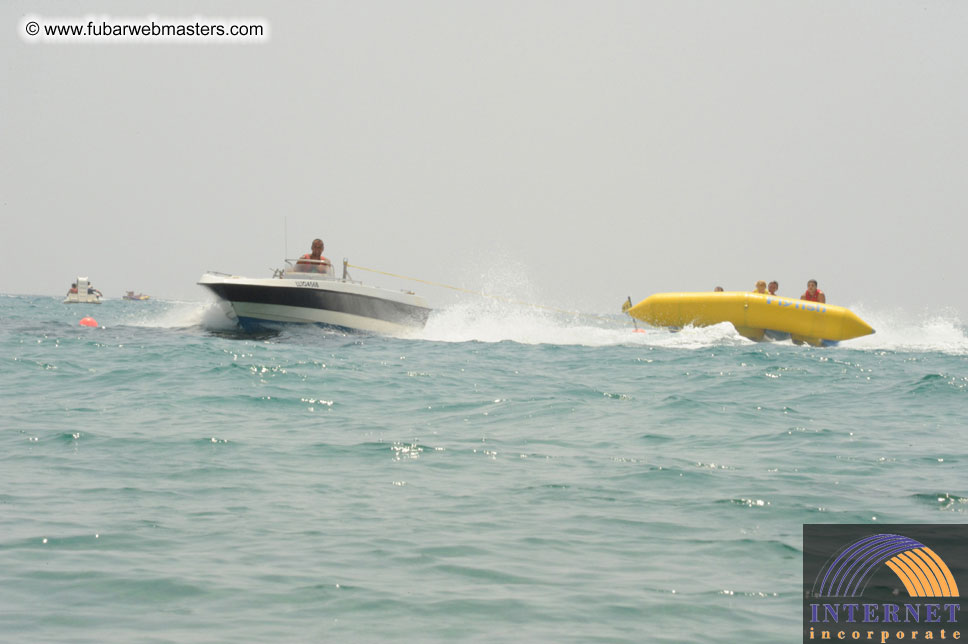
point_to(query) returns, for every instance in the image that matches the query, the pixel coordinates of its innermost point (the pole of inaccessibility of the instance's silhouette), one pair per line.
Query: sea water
(504, 475)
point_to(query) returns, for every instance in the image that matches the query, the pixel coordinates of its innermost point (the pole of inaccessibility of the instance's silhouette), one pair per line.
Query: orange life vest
(321, 267)
(812, 298)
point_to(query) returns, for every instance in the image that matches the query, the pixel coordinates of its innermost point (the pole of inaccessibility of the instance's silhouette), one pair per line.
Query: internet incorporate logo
(883, 587)
(922, 572)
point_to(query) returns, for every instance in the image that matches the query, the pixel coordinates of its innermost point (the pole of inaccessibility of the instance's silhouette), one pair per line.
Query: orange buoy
(88, 322)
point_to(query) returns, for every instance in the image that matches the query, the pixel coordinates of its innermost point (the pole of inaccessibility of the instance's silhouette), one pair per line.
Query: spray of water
(490, 321)
(210, 315)
(898, 330)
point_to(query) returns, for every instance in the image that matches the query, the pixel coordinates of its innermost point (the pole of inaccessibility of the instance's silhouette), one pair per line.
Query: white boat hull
(77, 298)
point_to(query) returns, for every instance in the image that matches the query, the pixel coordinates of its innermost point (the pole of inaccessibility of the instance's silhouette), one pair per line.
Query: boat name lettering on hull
(307, 283)
(797, 304)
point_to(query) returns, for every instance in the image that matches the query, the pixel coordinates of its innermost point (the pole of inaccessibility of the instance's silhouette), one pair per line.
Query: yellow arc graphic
(923, 573)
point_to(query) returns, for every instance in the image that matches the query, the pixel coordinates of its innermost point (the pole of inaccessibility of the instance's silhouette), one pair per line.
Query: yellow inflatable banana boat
(755, 316)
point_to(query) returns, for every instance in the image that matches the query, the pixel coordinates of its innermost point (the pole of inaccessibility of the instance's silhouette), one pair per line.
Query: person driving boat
(316, 262)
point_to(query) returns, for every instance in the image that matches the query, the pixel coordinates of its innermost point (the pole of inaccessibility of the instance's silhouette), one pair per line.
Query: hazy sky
(571, 152)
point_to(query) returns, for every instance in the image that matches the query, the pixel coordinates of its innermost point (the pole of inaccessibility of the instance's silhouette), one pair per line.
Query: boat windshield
(301, 268)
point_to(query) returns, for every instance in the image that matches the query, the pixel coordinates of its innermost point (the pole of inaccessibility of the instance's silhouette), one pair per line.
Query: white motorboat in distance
(82, 292)
(307, 292)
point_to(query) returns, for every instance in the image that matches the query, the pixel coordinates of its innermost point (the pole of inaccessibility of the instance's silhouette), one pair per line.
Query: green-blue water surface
(493, 479)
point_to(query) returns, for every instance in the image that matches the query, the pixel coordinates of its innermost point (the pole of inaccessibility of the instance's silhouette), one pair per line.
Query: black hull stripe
(352, 303)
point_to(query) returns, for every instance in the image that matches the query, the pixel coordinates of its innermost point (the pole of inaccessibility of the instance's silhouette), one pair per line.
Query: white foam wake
(490, 321)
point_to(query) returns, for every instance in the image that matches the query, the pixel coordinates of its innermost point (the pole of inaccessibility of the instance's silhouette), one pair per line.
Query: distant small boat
(754, 316)
(131, 295)
(81, 292)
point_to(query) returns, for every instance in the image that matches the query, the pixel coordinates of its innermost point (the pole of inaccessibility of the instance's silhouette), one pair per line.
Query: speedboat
(81, 292)
(755, 316)
(307, 291)
(131, 295)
